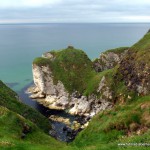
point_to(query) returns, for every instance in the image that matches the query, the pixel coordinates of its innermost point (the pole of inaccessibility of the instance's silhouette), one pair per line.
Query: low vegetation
(10, 100)
(117, 50)
(18, 133)
(125, 123)
(40, 61)
(22, 127)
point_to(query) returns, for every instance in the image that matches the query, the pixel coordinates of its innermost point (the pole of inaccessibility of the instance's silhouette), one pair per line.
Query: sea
(20, 44)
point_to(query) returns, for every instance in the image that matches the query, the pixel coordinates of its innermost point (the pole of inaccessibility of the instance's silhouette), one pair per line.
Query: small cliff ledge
(109, 59)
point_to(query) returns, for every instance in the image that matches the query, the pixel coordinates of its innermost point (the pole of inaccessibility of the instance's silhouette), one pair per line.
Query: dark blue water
(21, 43)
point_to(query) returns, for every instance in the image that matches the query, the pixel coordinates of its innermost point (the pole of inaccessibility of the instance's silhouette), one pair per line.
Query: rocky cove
(64, 127)
(75, 88)
(56, 96)
(70, 112)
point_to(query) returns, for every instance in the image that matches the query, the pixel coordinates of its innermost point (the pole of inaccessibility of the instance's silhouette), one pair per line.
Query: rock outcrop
(134, 68)
(55, 95)
(109, 59)
(136, 72)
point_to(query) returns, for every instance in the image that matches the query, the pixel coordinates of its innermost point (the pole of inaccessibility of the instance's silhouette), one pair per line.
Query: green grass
(40, 61)
(109, 128)
(118, 50)
(8, 99)
(95, 80)
(11, 127)
(142, 49)
(14, 115)
(105, 131)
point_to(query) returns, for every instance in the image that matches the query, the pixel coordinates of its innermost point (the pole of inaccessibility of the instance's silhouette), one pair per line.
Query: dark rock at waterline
(26, 129)
(69, 133)
(82, 119)
(64, 128)
(59, 130)
(53, 133)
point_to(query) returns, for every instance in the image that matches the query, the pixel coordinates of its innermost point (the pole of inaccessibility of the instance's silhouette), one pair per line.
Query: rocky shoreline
(68, 129)
(63, 128)
(56, 97)
(82, 106)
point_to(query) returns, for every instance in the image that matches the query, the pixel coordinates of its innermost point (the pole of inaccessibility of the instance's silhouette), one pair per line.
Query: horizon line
(11, 23)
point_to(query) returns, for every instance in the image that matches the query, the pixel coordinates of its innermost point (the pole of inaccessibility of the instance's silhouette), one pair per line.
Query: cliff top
(71, 66)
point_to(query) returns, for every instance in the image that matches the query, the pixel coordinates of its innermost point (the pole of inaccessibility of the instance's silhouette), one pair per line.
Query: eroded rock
(108, 60)
(55, 96)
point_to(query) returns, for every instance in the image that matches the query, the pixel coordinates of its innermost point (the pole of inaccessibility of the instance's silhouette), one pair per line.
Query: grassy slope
(117, 50)
(141, 51)
(105, 131)
(109, 128)
(93, 83)
(11, 126)
(14, 115)
(8, 99)
(135, 67)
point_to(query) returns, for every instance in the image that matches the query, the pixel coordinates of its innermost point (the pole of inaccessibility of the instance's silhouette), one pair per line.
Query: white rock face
(81, 106)
(104, 90)
(56, 97)
(38, 78)
(43, 81)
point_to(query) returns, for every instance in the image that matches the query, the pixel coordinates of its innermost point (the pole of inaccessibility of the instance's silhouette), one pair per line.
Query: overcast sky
(45, 11)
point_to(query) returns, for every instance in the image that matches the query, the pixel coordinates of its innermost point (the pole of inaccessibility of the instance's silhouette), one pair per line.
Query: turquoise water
(21, 43)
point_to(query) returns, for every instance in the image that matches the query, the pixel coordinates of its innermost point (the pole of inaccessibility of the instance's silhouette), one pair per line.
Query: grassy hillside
(117, 50)
(8, 99)
(128, 122)
(21, 127)
(18, 133)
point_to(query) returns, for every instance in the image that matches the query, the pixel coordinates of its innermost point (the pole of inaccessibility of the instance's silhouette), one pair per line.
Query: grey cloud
(79, 11)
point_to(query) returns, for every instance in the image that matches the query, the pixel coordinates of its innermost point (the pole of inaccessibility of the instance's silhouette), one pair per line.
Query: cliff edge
(68, 80)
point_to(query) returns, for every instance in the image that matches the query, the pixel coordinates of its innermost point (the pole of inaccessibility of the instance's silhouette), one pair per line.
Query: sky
(74, 11)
